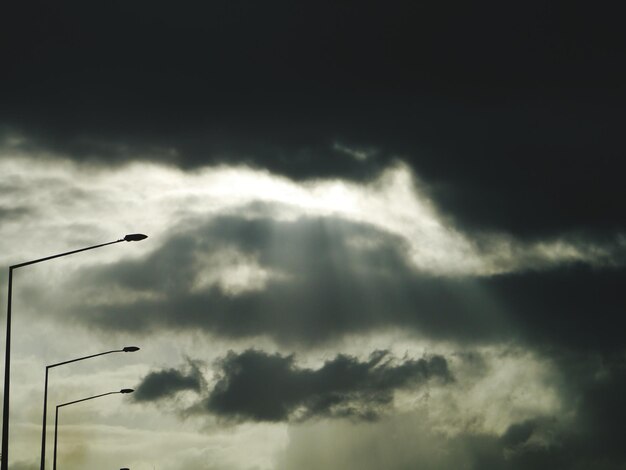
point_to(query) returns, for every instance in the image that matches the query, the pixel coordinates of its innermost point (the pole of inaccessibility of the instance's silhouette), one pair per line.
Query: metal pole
(45, 412)
(56, 429)
(7, 376)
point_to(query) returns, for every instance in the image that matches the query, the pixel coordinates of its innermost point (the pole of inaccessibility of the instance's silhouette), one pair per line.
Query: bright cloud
(52, 195)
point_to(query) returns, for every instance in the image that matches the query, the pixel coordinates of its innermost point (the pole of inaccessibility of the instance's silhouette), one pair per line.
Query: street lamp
(4, 452)
(56, 416)
(45, 393)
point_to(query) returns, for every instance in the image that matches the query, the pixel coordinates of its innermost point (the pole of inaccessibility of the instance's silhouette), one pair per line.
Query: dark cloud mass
(165, 383)
(254, 385)
(327, 286)
(514, 112)
(518, 433)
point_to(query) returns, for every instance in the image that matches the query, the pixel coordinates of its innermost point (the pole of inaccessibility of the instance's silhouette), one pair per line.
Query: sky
(380, 235)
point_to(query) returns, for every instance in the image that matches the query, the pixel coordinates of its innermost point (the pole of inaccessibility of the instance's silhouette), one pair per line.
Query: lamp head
(130, 349)
(135, 237)
(126, 390)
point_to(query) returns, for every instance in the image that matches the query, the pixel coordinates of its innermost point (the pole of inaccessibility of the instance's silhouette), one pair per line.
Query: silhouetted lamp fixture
(4, 450)
(135, 237)
(56, 417)
(45, 393)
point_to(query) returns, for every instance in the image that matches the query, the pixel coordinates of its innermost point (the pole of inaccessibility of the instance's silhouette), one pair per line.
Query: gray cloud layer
(254, 385)
(168, 382)
(313, 280)
(262, 387)
(330, 277)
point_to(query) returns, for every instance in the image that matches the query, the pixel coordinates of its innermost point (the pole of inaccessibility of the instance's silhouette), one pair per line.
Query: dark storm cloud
(165, 383)
(333, 278)
(513, 111)
(518, 433)
(258, 386)
(598, 384)
(575, 306)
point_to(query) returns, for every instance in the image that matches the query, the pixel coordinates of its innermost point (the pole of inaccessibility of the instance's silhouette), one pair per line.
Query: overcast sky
(381, 235)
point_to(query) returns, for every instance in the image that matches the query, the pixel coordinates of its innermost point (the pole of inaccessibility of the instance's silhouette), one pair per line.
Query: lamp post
(45, 393)
(4, 452)
(56, 416)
